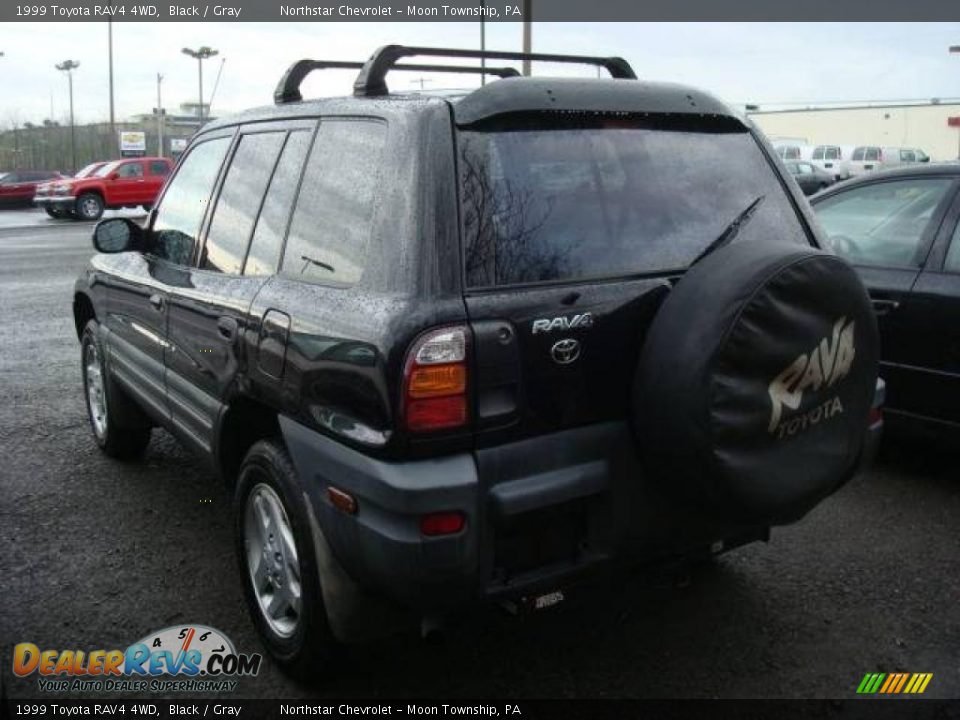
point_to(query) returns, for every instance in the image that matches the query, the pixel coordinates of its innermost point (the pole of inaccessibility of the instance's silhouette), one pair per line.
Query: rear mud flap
(355, 615)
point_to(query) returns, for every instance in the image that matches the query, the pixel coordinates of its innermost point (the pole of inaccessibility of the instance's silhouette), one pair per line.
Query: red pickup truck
(118, 184)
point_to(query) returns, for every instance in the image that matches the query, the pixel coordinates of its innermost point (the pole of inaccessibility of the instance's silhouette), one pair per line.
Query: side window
(11, 178)
(177, 223)
(130, 170)
(239, 201)
(159, 168)
(264, 254)
(883, 223)
(907, 156)
(333, 219)
(952, 263)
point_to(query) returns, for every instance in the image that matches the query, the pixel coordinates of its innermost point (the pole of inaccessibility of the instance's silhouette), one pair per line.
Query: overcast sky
(740, 62)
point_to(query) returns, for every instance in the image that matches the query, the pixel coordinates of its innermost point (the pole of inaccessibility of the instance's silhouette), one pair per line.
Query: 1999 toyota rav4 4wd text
(460, 348)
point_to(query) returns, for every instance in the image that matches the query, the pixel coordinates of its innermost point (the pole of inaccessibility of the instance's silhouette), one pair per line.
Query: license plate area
(543, 537)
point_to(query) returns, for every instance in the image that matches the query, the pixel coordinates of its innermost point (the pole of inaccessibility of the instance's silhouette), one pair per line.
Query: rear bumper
(540, 513)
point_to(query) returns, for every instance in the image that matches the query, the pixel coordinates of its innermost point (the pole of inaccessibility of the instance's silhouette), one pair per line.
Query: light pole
(200, 54)
(527, 33)
(159, 118)
(956, 49)
(113, 126)
(483, 43)
(68, 66)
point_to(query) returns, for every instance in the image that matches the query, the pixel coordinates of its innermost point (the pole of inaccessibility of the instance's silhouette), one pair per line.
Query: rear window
(608, 198)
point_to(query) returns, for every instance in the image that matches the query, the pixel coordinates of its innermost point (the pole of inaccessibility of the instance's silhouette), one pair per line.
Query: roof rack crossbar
(372, 78)
(288, 89)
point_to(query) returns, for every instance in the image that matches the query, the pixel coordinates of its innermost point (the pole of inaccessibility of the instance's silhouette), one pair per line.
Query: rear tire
(119, 426)
(278, 564)
(89, 206)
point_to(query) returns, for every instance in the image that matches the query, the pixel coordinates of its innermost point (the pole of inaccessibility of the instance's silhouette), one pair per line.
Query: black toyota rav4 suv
(476, 346)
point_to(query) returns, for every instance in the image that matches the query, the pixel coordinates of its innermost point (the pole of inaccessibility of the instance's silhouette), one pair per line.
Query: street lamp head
(67, 65)
(201, 53)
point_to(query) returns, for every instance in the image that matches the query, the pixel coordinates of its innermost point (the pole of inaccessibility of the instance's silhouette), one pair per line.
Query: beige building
(916, 125)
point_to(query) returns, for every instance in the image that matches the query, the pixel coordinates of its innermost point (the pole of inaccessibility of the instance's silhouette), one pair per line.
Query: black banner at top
(475, 10)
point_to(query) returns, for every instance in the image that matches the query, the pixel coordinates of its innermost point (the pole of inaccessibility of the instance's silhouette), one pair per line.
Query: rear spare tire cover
(755, 381)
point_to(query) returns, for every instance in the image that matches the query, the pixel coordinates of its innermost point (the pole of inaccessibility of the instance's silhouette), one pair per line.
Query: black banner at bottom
(872, 709)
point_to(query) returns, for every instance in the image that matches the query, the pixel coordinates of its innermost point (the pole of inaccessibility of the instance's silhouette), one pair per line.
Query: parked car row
(846, 161)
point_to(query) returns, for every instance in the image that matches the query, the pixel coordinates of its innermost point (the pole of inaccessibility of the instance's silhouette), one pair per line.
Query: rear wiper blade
(731, 230)
(318, 263)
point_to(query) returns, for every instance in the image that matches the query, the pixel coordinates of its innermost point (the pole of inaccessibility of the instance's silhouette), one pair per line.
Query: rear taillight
(435, 381)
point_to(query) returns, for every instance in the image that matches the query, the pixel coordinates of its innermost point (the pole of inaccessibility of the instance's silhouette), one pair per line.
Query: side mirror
(117, 235)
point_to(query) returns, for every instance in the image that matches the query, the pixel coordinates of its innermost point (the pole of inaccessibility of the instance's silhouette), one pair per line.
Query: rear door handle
(882, 306)
(228, 329)
(157, 301)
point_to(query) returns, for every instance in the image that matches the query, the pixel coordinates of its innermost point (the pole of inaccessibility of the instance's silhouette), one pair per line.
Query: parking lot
(98, 553)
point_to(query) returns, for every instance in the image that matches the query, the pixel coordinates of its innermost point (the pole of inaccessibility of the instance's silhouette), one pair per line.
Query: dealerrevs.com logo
(828, 362)
(182, 658)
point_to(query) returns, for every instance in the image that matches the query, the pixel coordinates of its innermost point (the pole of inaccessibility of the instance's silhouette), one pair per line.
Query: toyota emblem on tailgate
(565, 351)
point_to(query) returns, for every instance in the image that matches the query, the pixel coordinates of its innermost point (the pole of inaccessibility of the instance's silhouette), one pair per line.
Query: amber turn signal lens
(342, 500)
(437, 380)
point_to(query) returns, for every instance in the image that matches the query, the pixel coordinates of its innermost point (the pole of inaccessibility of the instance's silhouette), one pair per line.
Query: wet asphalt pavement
(97, 553)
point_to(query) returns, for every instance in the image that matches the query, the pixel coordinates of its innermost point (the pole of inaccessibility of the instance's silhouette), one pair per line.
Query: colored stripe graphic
(870, 683)
(894, 683)
(918, 683)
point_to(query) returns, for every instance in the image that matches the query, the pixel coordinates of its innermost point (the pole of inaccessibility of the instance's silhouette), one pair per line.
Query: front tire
(120, 428)
(53, 211)
(89, 206)
(278, 565)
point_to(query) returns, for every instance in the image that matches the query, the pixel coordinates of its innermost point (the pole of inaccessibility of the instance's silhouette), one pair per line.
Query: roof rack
(372, 78)
(288, 89)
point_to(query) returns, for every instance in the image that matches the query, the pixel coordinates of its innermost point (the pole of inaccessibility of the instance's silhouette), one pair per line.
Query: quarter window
(178, 218)
(264, 253)
(883, 223)
(239, 202)
(333, 219)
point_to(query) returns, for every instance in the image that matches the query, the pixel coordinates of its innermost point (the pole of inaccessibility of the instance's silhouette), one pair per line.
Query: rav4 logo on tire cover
(829, 361)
